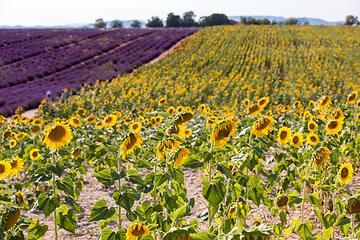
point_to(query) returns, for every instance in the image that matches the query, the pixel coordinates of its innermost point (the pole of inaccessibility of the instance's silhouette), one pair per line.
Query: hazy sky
(61, 12)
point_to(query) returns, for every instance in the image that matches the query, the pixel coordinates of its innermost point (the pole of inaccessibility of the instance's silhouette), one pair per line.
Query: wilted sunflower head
(77, 153)
(183, 118)
(334, 126)
(180, 155)
(222, 132)
(284, 135)
(324, 102)
(345, 173)
(254, 109)
(130, 143)
(136, 230)
(312, 138)
(352, 97)
(263, 102)
(321, 158)
(7, 134)
(263, 126)
(282, 200)
(35, 130)
(58, 136)
(10, 218)
(352, 204)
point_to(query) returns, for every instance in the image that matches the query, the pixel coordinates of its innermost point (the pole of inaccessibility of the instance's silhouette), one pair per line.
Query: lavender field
(35, 61)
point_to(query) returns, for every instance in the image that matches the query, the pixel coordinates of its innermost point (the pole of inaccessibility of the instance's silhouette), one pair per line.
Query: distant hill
(127, 23)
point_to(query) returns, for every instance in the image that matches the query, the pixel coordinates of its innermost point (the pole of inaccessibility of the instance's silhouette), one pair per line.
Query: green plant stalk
(209, 206)
(54, 193)
(304, 194)
(119, 186)
(353, 226)
(154, 194)
(334, 197)
(224, 203)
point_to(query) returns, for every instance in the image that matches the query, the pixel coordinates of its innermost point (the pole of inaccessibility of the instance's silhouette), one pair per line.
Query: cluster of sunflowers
(274, 143)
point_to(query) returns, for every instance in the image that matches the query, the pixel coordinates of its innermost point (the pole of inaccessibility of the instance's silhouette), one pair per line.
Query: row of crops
(267, 115)
(88, 56)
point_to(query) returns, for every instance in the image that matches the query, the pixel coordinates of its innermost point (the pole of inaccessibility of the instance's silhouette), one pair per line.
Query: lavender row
(106, 66)
(62, 58)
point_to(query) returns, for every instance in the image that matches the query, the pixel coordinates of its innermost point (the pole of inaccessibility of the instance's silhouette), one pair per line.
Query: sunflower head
(75, 122)
(162, 101)
(7, 134)
(321, 158)
(212, 121)
(34, 154)
(232, 211)
(352, 97)
(109, 121)
(334, 126)
(246, 102)
(180, 155)
(312, 138)
(136, 230)
(297, 104)
(5, 169)
(282, 200)
(171, 110)
(16, 165)
(130, 143)
(297, 140)
(352, 204)
(90, 119)
(58, 136)
(20, 136)
(222, 132)
(338, 115)
(188, 133)
(35, 130)
(178, 130)
(10, 218)
(157, 120)
(324, 102)
(263, 126)
(254, 109)
(284, 135)
(312, 126)
(77, 153)
(233, 169)
(345, 173)
(183, 117)
(81, 112)
(135, 127)
(170, 144)
(263, 102)
(20, 198)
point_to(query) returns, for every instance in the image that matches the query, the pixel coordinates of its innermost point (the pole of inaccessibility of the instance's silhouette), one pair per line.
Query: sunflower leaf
(100, 211)
(193, 162)
(36, 231)
(160, 178)
(48, 205)
(66, 218)
(342, 220)
(304, 230)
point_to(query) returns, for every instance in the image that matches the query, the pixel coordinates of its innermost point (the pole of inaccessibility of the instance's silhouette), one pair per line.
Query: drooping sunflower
(170, 144)
(136, 230)
(338, 115)
(284, 135)
(254, 109)
(20, 198)
(345, 173)
(135, 127)
(5, 169)
(109, 121)
(34, 154)
(90, 119)
(10, 218)
(130, 143)
(180, 155)
(183, 118)
(232, 211)
(212, 120)
(352, 204)
(263, 102)
(75, 122)
(263, 126)
(312, 126)
(324, 102)
(188, 133)
(352, 97)
(77, 153)
(35, 130)
(333, 127)
(321, 158)
(233, 169)
(312, 138)
(178, 130)
(297, 140)
(247, 102)
(222, 132)
(7, 134)
(282, 200)
(58, 136)
(16, 165)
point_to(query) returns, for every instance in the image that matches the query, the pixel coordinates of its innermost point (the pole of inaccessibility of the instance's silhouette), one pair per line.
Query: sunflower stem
(353, 226)
(224, 203)
(119, 186)
(334, 197)
(209, 206)
(54, 193)
(304, 194)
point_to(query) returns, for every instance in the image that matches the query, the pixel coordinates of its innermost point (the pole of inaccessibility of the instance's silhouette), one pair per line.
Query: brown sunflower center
(135, 126)
(283, 134)
(12, 143)
(355, 207)
(351, 97)
(2, 168)
(262, 102)
(138, 232)
(81, 112)
(14, 163)
(76, 121)
(108, 119)
(264, 123)
(35, 154)
(57, 134)
(313, 138)
(35, 129)
(324, 101)
(7, 134)
(223, 133)
(132, 141)
(233, 210)
(332, 124)
(171, 111)
(295, 140)
(344, 172)
(253, 108)
(282, 201)
(90, 119)
(312, 126)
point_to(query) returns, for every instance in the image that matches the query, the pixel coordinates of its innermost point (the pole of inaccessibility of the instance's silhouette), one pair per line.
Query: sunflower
(117, 114)
(38, 122)
(20, 136)
(312, 138)
(232, 211)
(16, 165)
(352, 97)
(312, 126)
(297, 104)
(135, 127)
(171, 110)
(247, 102)
(180, 155)
(188, 133)
(333, 127)
(98, 125)
(81, 112)
(58, 136)
(233, 169)
(345, 173)
(263, 126)
(136, 230)
(321, 158)
(282, 200)
(7, 134)
(34, 154)
(222, 131)
(77, 153)
(158, 119)
(183, 118)
(162, 101)
(358, 117)
(109, 121)
(263, 102)
(130, 143)
(91, 119)
(338, 115)
(284, 135)
(35, 130)
(20, 198)
(178, 130)
(75, 122)
(170, 144)
(352, 204)
(324, 102)
(5, 169)
(180, 109)
(297, 140)
(12, 143)
(254, 109)
(10, 218)
(212, 121)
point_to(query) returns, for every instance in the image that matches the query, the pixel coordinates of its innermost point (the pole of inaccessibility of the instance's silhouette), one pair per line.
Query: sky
(51, 13)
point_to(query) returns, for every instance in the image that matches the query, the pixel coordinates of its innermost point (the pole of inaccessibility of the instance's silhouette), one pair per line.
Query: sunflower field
(266, 117)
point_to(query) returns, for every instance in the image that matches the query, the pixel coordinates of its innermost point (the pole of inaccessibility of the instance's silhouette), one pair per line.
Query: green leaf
(193, 161)
(329, 219)
(72, 203)
(36, 231)
(134, 177)
(345, 229)
(100, 211)
(278, 229)
(283, 216)
(327, 232)
(342, 220)
(58, 169)
(66, 218)
(182, 211)
(214, 193)
(203, 236)
(126, 199)
(304, 230)
(160, 178)
(256, 194)
(294, 199)
(104, 176)
(223, 167)
(165, 114)
(254, 180)
(108, 234)
(40, 175)
(297, 186)
(314, 199)
(48, 205)
(66, 185)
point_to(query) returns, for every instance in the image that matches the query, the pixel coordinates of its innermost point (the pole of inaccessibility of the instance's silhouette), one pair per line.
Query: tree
(173, 20)
(189, 19)
(214, 20)
(291, 21)
(136, 24)
(155, 22)
(99, 23)
(116, 24)
(351, 20)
